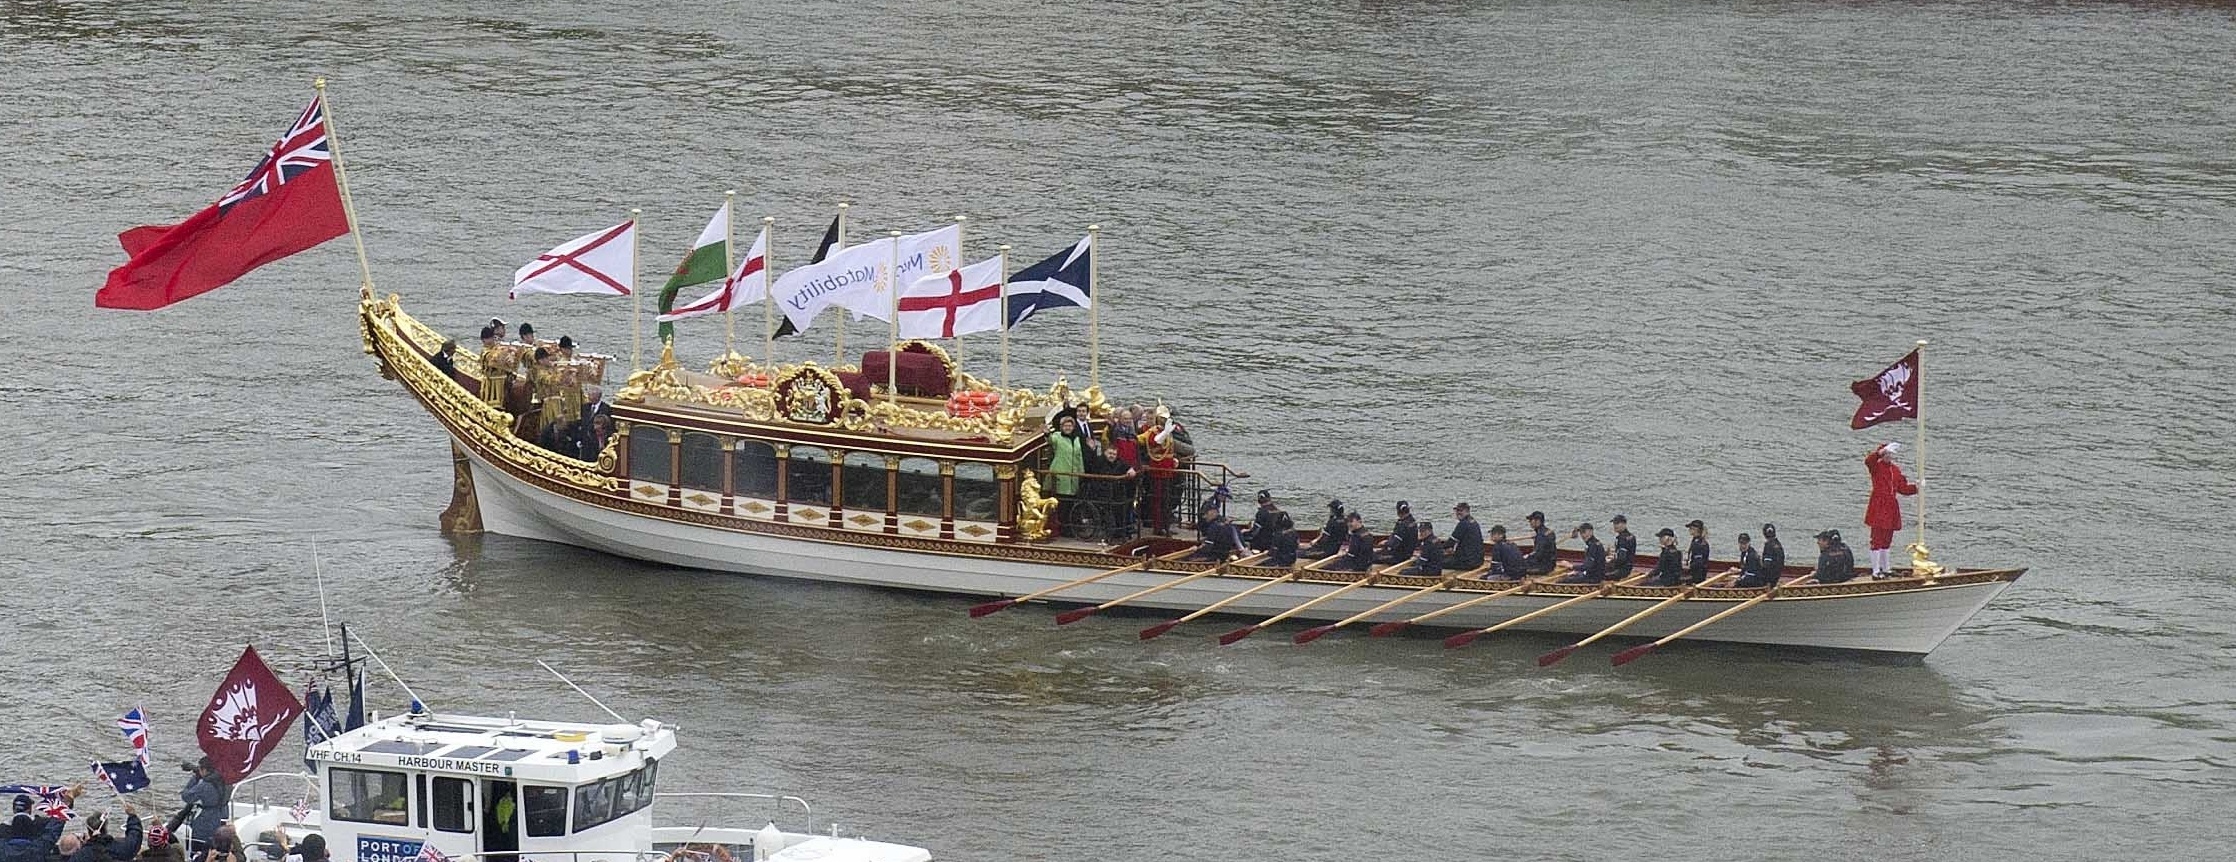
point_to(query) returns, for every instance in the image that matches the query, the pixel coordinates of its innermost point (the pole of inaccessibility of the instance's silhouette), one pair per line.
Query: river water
(1577, 257)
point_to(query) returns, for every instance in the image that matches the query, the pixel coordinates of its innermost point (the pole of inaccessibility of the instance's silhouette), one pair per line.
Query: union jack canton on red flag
(302, 148)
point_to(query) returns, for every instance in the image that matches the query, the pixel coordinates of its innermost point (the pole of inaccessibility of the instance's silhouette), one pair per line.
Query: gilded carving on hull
(464, 513)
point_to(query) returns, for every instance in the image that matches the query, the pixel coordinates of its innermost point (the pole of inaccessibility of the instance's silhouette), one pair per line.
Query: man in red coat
(1884, 514)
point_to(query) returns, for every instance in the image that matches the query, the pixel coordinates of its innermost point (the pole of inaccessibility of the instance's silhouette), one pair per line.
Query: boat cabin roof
(552, 751)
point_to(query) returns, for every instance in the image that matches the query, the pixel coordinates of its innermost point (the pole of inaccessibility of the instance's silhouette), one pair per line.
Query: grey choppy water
(1569, 256)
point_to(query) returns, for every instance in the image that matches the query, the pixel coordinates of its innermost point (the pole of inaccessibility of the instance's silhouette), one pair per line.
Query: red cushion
(920, 374)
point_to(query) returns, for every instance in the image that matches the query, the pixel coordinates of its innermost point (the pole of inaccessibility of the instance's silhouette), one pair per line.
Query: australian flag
(1061, 281)
(127, 776)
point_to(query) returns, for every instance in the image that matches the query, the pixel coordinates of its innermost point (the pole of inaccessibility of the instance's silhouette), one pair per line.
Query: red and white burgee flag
(1890, 396)
(601, 262)
(748, 285)
(247, 718)
(953, 303)
(287, 204)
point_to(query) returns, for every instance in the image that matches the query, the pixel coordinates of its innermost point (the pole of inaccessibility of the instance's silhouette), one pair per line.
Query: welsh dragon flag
(705, 264)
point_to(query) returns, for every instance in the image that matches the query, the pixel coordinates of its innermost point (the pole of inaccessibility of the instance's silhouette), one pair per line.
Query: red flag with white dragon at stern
(1890, 395)
(247, 718)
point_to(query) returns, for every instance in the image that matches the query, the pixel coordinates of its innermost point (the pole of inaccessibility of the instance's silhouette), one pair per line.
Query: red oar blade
(1068, 617)
(990, 607)
(1237, 634)
(1383, 630)
(1311, 634)
(1633, 654)
(1158, 630)
(1461, 639)
(1555, 656)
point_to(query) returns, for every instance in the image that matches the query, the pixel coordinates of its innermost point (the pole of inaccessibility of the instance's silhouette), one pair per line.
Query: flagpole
(341, 183)
(838, 353)
(1004, 273)
(1094, 301)
(960, 223)
(729, 267)
(636, 311)
(893, 327)
(768, 294)
(1921, 442)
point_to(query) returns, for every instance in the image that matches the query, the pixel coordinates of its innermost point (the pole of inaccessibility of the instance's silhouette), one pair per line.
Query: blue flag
(356, 717)
(1061, 281)
(127, 776)
(318, 723)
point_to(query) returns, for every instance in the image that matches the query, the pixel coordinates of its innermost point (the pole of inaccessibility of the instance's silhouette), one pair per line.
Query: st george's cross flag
(1061, 281)
(247, 718)
(708, 258)
(288, 203)
(599, 262)
(1889, 396)
(134, 726)
(748, 285)
(962, 301)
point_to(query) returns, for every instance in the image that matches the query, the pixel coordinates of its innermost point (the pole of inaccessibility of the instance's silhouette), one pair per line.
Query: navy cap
(1619, 519)
(1537, 516)
(1830, 535)
(1696, 523)
(1665, 531)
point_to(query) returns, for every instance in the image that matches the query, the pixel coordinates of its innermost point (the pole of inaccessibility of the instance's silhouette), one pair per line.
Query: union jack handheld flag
(135, 729)
(428, 853)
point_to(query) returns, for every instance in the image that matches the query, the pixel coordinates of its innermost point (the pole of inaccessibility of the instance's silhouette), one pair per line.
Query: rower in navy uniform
(1835, 563)
(1773, 552)
(1696, 556)
(1670, 570)
(1358, 548)
(1428, 554)
(1594, 568)
(1281, 547)
(1542, 544)
(1751, 572)
(1397, 547)
(1506, 557)
(1260, 534)
(1331, 533)
(1626, 548)
(1465, 553)
(1220, 541)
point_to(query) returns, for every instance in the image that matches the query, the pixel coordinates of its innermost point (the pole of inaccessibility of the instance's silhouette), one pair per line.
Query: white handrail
(727, 794)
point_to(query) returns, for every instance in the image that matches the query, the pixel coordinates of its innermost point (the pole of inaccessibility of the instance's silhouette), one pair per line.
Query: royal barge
(806, 471)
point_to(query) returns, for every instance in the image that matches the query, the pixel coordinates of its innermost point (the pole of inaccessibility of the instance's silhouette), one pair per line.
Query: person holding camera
(207, 801)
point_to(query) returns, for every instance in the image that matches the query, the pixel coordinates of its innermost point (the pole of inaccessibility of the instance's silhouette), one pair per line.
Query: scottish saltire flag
(126, 776)
(1061, 281)
(135, 729)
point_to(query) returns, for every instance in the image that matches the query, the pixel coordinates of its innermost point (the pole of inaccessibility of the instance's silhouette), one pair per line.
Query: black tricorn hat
(1335, 505)
(1830, 535)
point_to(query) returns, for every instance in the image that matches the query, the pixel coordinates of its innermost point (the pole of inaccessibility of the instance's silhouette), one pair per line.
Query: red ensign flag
(289, 203)
(1889, 396)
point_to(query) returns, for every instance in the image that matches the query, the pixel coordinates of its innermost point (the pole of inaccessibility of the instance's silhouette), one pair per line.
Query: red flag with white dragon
(1890, 395)
(247, 718)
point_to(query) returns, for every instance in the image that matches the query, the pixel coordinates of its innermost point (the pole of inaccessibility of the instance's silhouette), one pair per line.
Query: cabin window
(756, 470)
(920, 487)
(367, 796)
(649, 454)
(450, 805)
(702, 462)
(864, 482)
(545, 809)
(629, 793)
(977, 495)
(808, 476)
(651, 776)
(593, 805)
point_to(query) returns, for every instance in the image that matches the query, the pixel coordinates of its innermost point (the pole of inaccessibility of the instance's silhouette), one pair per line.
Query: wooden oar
(1369, 577)
(991, 607)
(1465, 638)
(1637, 652)
(1315, 633)
(1384, 630)
(1168, 625)
(1072, 616)
(1686, 593)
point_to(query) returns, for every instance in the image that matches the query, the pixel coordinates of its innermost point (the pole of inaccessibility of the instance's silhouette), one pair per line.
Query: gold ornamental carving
(1033, 510)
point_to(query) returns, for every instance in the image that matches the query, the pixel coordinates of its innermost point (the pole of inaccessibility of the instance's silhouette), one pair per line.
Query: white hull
(1864, 617)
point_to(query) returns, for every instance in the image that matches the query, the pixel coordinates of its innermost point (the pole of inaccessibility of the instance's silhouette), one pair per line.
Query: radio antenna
(416, 702)
(578, 690)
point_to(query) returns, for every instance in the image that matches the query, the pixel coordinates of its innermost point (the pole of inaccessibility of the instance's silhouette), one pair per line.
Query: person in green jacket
(1067, 449)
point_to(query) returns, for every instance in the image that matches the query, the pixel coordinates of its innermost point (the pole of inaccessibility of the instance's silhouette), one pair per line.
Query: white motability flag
(602, 262)
(859, 277)
(962, 301)
(744, 287)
